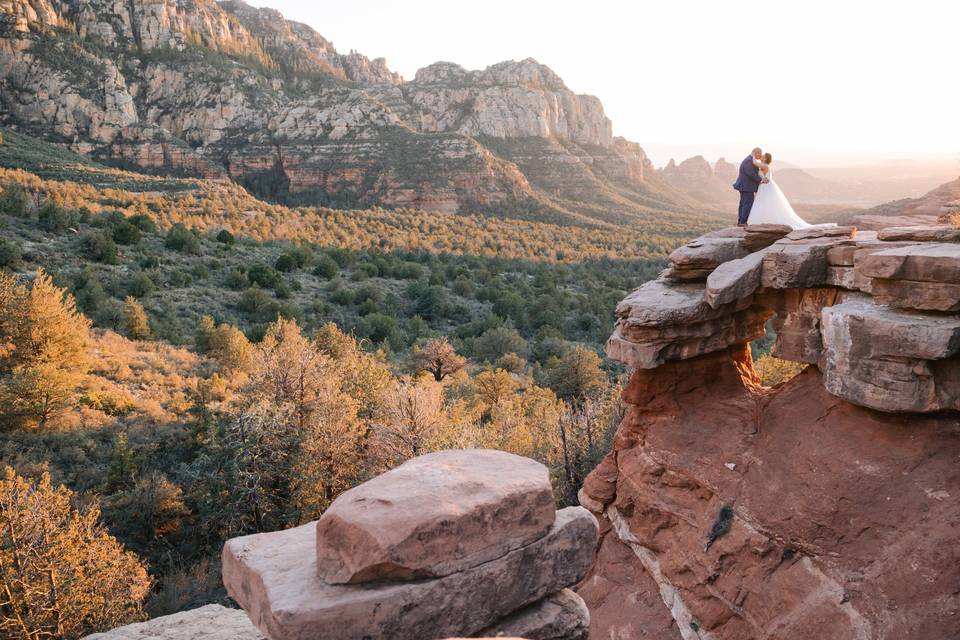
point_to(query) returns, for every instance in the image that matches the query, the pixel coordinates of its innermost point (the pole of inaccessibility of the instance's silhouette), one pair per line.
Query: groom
(748, 181)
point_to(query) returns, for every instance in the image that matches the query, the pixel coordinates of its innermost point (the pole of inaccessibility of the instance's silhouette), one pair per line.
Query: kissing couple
(761, 200)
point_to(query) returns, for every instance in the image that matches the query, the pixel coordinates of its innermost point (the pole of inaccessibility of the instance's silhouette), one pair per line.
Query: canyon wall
(230, 91)
(822, 508)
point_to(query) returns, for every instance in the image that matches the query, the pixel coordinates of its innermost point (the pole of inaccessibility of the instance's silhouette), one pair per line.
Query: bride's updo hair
(767, 158)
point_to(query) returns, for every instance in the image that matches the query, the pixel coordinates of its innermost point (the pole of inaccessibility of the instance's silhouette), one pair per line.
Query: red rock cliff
(730, 510)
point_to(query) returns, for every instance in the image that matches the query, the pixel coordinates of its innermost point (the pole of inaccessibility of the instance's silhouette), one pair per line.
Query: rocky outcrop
(710, 185)
(821, 508)
(476, 548)
(226, 90)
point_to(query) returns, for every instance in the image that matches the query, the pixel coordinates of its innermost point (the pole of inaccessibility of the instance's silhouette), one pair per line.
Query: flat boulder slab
(758, 236)
(938, 233)
(434, 515)
(889, 359)
(734, 280)
(211, 622)
(696, 259)
(933, 262)
(274, 577)
(822, 231)
(559, 616)
(917, 276)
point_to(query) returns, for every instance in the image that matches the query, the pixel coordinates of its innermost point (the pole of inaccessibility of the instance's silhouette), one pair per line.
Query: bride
(771, 206)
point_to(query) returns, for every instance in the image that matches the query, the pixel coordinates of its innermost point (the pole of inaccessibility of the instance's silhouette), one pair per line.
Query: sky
(819, 83)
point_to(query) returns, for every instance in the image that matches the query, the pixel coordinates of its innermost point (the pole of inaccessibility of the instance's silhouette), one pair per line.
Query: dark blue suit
(748, 181)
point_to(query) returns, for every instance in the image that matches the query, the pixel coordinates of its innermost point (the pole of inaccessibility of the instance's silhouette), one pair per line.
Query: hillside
(227, 91)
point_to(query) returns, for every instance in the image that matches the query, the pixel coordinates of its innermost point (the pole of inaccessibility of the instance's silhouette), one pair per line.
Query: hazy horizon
(825, 90)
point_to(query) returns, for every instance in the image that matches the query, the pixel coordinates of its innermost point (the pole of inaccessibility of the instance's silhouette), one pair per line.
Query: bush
(54, 218)
(14, 200)
(143, 222)
(126, 233)
(342, 296)
(98, 247)
(10, 254)
(225, 237)
(181, 239)
(136, 325)
(326, 268)
(237, 280)
(285, 263)
(497, 342)
(263, 275)
(140, 285)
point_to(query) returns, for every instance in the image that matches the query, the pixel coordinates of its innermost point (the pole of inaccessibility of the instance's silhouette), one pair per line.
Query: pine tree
(43, 349)
(61, 574)
(135, 322)
(123, 468)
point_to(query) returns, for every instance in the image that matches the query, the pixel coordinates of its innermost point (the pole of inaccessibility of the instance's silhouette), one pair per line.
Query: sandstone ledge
(902, 277)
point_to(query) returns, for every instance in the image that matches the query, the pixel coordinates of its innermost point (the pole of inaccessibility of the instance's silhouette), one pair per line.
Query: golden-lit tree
(297, 389)
(135, 322)
(414, 422)
(43, 349)
(61, 574)
(438, 357)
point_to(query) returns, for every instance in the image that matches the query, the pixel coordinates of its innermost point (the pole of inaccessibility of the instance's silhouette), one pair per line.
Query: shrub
(181, 239)
(143, 222)
(140, 285)
(263, 275)
(10, 254)
(126, 233)
(14, 200)
(54, 218)
(326, 268)
(225, 237)
(98, 247)
(285, 263)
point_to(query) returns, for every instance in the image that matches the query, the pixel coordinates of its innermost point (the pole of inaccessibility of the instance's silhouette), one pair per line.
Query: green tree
(10, 254)
(61, 574)
(43, 349)
(123, 467)
(14, 200)
(136, 324)
(576, 375)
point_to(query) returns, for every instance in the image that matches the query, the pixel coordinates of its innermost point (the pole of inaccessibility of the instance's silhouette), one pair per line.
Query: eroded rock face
(434, 515)
(841, 518)
(292, 118)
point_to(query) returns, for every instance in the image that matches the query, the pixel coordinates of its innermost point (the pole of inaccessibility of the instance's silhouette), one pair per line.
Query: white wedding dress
(772, 207)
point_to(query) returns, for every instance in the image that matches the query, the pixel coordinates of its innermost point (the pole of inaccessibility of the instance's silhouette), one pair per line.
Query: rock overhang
(873, 310)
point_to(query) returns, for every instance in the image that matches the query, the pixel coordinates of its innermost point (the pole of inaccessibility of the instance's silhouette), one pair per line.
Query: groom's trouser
(746, 203)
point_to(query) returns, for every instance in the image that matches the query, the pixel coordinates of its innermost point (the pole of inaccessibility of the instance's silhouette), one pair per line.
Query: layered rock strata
(229, 91)
(822, 508)
(475, 548)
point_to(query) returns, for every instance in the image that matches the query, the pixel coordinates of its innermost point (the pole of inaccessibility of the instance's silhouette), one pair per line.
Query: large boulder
(434, 515)
(274, 577)
(889, 359)
(696, 259)
(919, 276)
